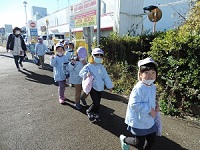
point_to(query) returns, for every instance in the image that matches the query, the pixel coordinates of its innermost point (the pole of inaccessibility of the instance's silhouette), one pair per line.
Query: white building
(123, 16)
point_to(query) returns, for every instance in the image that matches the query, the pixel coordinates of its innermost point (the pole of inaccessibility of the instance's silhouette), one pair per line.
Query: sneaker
(90, 116)
(97, 118)
(71, 85)
(124, 146)
(21, 65)
(61, 101)
(78, 106)
(83, 102)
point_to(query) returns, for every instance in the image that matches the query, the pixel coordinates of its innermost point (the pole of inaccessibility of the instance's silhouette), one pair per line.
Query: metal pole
(70, 31)
(58, 4)
(154, 24)
(98, 21)
(25, 3)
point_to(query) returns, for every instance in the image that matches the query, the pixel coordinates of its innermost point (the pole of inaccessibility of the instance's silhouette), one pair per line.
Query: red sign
(32, 24)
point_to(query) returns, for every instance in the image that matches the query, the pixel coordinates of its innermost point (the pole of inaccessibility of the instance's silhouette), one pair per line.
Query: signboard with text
(33, 30)
(83, 14)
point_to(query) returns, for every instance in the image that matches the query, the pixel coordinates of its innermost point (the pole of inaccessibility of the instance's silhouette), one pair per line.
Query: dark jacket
(11, 41)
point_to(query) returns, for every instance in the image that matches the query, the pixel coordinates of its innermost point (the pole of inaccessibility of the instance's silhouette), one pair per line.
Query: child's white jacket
(57, 64)
(141, 100)
(101, 77)
(74, 77)
(41, 49)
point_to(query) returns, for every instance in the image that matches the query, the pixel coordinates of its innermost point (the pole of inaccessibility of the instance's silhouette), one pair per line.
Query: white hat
(82, 52)
(97, 51)
(146, 61)
(59, 45)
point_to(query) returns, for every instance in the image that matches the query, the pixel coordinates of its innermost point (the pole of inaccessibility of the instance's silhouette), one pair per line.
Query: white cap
(146, 61)
(59, 45)
(97, 51)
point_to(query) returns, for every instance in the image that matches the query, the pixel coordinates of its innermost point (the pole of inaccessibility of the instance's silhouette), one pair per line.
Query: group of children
(142, 116)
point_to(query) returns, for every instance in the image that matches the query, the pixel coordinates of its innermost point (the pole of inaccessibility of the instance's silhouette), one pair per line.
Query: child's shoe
(97, 118)
(78, 106)
(90, 115)
(84, 103)
(124, 146)
(61, 101)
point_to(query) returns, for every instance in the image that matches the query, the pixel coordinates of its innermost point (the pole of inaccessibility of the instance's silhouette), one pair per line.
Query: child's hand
(153, 113)
(73, 61)
(88, 74)
(52, 56)
(157, 107)
(84, 62)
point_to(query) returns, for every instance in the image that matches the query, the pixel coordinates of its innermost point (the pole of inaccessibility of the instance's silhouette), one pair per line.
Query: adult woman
(17, 47)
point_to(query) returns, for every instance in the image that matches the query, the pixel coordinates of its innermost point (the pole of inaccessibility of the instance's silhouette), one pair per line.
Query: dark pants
(139, 141)
(96, 99)
(61, 89)
(18, 60)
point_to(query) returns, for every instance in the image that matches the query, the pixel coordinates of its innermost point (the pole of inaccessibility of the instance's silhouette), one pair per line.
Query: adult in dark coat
(17, 46)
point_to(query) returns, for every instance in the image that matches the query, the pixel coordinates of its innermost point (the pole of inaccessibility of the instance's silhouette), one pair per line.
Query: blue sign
(33, 32)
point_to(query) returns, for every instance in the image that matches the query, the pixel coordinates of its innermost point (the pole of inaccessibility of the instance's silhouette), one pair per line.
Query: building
(122, 16)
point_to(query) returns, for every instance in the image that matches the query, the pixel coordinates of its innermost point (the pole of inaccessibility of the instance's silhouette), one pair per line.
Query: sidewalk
(178, 134)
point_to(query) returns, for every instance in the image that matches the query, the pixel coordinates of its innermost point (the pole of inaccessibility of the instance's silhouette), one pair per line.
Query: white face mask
(98, 60)
(81, 59)
(17, 32)
(60, 54)
(148, 82)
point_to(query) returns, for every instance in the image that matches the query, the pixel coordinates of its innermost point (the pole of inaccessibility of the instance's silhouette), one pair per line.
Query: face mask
(98, 60)
(148, 82)
(17, 32)
(60, 54)
(81, 59)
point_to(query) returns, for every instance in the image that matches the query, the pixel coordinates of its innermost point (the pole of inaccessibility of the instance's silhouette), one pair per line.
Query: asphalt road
(32, 119)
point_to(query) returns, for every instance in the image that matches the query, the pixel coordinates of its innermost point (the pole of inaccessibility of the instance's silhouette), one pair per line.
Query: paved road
(32, 119)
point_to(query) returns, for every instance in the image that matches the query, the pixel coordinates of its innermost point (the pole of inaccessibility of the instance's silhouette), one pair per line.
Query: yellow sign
(86, 19)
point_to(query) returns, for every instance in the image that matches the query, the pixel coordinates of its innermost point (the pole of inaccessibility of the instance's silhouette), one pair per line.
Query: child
(57, 63)
(70, 55)
(40, 51)
(142, 108)
(70, 52)
(75, 66)
(101, 78)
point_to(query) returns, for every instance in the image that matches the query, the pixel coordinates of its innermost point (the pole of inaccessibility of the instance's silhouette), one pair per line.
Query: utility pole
(58, 4)
(98, 21)
(25, 3)
(70, 31)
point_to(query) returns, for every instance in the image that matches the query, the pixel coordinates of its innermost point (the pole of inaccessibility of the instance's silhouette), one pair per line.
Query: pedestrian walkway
(35, 120)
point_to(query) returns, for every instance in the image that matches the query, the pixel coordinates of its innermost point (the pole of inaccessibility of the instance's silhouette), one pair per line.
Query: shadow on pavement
(115, 125)
(34, 77)
(115, 97)
(163, 143)
(6, 56)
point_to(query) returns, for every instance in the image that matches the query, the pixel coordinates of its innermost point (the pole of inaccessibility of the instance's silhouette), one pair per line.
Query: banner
(85, 19)
(83, 14)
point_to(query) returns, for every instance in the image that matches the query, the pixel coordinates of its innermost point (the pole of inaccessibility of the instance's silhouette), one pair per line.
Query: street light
(25, 3)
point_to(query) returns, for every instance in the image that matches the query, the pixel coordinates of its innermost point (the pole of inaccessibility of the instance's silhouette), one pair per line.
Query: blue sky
(13, 11)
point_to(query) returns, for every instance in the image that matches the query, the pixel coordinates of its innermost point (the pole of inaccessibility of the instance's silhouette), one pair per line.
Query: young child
(56, 61)
(70, 52)
(75, 66)
(40, 51)
(101, 78)
(142, 109)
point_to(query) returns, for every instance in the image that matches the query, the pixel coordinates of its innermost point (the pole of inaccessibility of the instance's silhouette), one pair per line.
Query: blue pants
(18, 60)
